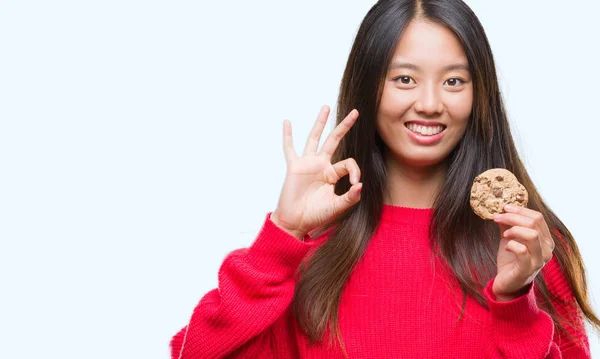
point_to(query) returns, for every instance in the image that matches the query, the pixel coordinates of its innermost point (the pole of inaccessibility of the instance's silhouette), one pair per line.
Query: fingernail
(510, 207)
(496, 217)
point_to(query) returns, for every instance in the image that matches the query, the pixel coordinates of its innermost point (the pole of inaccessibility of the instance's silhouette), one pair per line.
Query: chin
(422, 160)
(421, 163)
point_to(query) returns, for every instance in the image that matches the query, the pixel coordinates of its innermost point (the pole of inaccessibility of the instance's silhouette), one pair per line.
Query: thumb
(349, 198)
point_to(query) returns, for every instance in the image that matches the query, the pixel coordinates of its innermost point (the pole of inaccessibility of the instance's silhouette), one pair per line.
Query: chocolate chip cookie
(495, 188)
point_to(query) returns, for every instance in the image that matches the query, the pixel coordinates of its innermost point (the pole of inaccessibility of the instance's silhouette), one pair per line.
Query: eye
(405, 80)
(455, 82)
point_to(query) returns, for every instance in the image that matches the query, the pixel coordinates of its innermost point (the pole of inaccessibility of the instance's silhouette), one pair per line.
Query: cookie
(495, 188)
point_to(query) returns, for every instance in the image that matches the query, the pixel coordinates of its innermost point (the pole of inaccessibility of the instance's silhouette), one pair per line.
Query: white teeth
(425, 130)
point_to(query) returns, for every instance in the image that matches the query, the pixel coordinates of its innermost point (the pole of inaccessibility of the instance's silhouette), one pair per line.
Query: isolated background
(140, 142)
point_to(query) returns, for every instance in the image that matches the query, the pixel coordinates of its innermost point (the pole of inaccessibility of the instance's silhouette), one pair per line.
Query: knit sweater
(397, 303)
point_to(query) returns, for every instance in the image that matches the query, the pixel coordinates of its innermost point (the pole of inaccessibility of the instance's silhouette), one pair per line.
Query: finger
(521, 210)
(513, 219)
(508, 221)
(334, 138)
(347, 166)
(349, 198)
(531, 239)
(312, 144)
(538, 222)
(288, 143)
(523, 256)
(535, 216)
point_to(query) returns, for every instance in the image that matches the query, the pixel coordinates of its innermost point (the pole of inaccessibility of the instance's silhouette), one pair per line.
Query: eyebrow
(406, 65)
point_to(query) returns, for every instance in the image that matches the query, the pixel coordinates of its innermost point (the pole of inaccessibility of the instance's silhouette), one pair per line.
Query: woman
(373, 250)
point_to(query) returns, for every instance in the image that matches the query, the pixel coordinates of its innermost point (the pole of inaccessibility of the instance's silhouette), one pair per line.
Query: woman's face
(427, 97)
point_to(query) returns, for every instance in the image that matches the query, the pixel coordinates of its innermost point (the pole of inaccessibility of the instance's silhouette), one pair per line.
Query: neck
(410, 186)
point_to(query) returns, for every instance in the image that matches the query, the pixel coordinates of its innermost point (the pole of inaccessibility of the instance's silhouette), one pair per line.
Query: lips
(425, 130)
(425, 123)
(435, 131)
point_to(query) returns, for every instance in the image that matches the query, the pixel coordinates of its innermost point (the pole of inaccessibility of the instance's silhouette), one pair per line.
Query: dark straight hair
(467, 244)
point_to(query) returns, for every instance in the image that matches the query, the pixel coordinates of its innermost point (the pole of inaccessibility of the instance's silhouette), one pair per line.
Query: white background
(140, 142)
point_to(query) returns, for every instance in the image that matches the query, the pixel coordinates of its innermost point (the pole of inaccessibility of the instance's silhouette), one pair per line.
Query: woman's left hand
(525, 247)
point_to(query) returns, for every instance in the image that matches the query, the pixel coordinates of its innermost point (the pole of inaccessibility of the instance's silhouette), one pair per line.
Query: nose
(429, 102)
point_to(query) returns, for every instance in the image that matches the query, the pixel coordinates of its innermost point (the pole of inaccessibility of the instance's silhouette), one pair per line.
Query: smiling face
(427, 97)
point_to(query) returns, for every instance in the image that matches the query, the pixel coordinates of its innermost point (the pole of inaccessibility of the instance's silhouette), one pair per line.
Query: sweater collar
(400, 214)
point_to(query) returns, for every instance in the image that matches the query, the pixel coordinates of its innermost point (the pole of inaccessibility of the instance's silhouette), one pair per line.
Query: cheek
(392, 107)
(459, 107)
(393, 102)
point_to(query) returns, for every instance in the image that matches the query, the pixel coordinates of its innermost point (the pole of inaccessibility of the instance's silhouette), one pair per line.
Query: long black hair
(466, 243)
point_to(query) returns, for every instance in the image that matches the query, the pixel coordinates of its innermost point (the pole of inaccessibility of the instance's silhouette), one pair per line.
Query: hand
(525, 247)
(307, 199)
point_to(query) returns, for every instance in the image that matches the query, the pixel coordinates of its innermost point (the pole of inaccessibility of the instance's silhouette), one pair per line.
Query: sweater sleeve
(520, 329)
(255, 287)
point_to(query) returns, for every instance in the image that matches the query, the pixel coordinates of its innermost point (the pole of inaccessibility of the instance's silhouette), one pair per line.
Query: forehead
(429, 44)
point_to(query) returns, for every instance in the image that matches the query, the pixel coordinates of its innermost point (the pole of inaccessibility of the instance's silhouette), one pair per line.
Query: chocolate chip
(498, 192)
(499, 178)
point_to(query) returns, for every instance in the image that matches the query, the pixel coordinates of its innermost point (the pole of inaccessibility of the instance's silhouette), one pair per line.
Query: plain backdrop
(140, 142)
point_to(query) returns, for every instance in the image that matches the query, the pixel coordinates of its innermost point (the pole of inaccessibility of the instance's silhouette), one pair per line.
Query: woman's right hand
(307, 199)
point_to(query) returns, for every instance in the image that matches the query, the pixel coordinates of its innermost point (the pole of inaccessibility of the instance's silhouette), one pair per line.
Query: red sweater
(395, 305)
